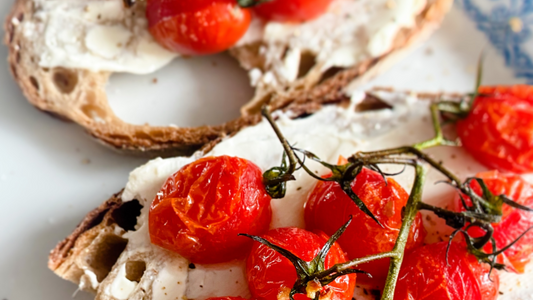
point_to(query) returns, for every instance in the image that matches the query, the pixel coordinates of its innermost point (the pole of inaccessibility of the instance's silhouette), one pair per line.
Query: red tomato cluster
(202, 27)
(201, 209)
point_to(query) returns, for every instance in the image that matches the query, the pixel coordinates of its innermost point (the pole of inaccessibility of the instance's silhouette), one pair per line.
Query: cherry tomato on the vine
(328, 208)
(498, 131)
(514, 221)
(197, 27)
(269, 273)
(425, 274)
(292, 10)
(202, 208)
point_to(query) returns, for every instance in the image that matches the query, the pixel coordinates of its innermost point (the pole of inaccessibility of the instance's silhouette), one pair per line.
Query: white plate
(52, 174)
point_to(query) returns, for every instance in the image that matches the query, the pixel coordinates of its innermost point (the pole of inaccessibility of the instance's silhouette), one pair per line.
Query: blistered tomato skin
(425, 275)
(328, 208)
(514, 221)
(498, 131)
(292, 10)
(197, 27)
(269, 273)
(203, 207)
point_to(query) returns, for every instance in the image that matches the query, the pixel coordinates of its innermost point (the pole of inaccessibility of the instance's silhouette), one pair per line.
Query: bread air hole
(135, 270)
(105, 252)
(126, 215)
(65, 80)
(94, 112)
(34, 82)
(307, 62)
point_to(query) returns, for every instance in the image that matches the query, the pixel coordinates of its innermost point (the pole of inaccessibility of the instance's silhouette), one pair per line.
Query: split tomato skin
(514, 221)
(269, 273)
(328, 208)
(292, 10)
(425, 274)
(202, 208)
(197, 27)
(498, 131)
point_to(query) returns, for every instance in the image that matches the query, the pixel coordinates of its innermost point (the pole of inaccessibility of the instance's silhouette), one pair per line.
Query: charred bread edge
(79, 95)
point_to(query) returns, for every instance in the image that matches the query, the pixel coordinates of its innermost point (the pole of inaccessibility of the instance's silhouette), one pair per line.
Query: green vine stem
(410, 213)
(439, 139)
(275, 178)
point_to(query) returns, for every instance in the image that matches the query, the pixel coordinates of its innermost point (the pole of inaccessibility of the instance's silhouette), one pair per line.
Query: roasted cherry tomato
(425, 274)
(514, 221)
(498, 131)
(328, 208)
(203, 207)
(197, 27)
(269, 273)
(292, 10)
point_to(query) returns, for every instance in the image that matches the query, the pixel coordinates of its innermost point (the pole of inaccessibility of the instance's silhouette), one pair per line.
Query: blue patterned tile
(508, 25)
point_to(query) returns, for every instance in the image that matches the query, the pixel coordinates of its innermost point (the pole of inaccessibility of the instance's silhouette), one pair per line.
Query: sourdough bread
(116, 234)
(79, 95)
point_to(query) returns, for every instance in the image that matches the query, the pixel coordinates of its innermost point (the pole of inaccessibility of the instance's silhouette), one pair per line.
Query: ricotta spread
(96, 35)
(103, 35)
(330, 132)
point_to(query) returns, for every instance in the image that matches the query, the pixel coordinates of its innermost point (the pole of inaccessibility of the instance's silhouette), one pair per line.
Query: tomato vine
(485, 209)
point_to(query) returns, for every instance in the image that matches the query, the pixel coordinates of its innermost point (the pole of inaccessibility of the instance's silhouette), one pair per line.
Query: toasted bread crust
(69, 258)
(79, 95)
(96, 217)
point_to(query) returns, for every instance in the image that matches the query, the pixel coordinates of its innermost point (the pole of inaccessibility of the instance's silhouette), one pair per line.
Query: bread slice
(94, 254)
(79, 95)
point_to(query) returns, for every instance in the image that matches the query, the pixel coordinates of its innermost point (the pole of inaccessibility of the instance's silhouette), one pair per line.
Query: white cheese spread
(103, 35)
(351, 31)
(330, 132)
(96, 35)
(122, 287)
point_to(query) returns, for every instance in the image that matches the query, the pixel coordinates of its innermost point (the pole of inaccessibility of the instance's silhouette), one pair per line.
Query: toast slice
(79, 95)
(107, 245)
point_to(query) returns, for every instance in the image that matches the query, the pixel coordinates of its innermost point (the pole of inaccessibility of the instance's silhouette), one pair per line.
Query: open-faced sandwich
(328, 202)
(62, 52)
